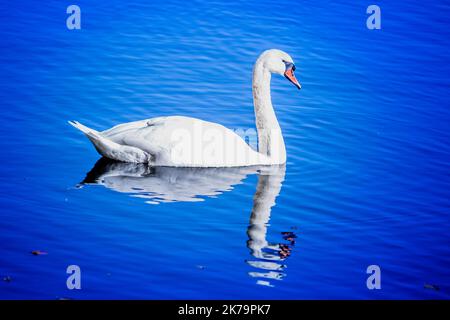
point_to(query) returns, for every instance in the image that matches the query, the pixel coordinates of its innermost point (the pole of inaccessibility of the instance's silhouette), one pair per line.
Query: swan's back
(185, 142)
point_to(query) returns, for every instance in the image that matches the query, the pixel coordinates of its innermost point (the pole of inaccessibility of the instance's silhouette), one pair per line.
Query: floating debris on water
(7, 279)
(431, 286)
(38, 252)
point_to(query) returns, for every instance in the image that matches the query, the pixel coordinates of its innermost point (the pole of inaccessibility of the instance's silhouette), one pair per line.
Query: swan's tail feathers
(81, 127)
(111, 149)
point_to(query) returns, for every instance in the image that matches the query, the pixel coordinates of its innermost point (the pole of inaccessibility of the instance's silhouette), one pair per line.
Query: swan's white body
(189, 142)
(166, 141)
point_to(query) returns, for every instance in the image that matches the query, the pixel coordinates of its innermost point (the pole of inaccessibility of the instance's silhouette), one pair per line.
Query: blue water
(367, 179)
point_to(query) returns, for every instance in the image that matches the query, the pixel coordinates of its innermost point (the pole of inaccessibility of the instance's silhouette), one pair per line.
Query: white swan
(188, 142)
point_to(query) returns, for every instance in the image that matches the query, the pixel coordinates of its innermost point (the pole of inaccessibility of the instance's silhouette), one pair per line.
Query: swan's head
(277, 61)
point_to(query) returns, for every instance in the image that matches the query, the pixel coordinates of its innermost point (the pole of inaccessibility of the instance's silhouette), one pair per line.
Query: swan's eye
(289, 65)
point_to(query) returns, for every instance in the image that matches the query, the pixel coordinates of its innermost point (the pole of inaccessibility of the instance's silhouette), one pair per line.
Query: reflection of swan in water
(171, 184)
(269, 256)
(166, 184)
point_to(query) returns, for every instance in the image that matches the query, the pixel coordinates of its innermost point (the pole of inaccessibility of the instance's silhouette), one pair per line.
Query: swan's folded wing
(185, 141)
(130, 126)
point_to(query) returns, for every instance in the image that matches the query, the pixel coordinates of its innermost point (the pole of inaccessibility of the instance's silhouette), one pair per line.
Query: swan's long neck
(270, 138)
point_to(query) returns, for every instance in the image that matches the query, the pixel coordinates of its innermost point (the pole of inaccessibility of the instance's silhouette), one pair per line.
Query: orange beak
(289, 74)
